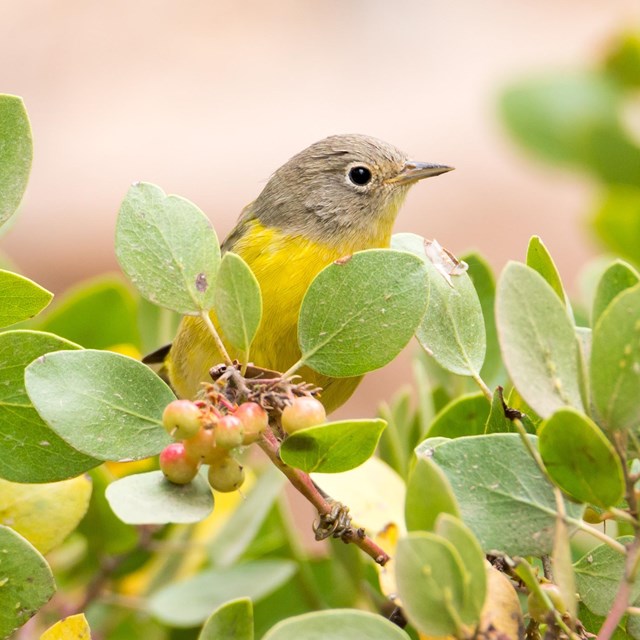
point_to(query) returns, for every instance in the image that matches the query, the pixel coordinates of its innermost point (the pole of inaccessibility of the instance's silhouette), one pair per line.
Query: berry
(202, 446)
(177, 465)
(538, 609)
(303, 412)
(181, 419)
(255, 420)
(229, 432)
(226, 475)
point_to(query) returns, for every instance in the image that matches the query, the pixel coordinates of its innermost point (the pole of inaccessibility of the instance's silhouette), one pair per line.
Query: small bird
(338, 196)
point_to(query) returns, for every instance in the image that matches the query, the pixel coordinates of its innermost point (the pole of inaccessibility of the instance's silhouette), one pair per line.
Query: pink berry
(254, 418)
(177, 465)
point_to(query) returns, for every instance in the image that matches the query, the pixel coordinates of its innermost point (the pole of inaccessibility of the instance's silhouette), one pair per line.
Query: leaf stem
(216, 336)
(484, 387)
(292, 369)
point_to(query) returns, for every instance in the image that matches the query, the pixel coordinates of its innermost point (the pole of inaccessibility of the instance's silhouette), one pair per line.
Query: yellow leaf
(71, 628)
(45, 514)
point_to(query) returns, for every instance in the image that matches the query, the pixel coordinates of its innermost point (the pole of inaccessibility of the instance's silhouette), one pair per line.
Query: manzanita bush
(500, 499)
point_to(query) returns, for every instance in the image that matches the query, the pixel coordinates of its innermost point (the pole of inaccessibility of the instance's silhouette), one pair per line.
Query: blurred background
(207, 98)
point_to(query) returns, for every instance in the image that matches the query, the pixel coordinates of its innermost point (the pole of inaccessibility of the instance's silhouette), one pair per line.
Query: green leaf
(580, 459)
(599, 574)
(149, 498)
(618, 277)
(167, 247)
(238, 302)
(617, 220)
(25, 578)
(433, 585)
(561, 562)
(484, 283)
(452, 329)
(358, 314)
(333, 447)
(20, 298)
(465, 543)
(593, 623)
(429, 494)
(104, 404)
(540, 260)
(497, 422)
(538, 341)
(29, 450)
(16, 154)
(464, 416)
(98, 314)
(615, 356)
(230, 621)
(337, 624)
(190, 602)
(500, 478)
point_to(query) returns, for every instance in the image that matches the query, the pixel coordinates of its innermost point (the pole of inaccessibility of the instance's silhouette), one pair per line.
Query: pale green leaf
(20, 298)
(618, 277)
(230, 621)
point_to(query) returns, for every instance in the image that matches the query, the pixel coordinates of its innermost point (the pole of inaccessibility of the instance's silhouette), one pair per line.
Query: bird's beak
(414, 171)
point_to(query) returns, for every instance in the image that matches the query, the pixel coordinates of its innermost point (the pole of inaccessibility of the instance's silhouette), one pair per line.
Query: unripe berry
(202, 446)
(538, 609)
(229, 432)
(255, 420)
(177, 465)
(181, 419)
(303, 412)
(226, 475)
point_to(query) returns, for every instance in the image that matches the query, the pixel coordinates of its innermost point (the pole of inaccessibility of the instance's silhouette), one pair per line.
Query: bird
(338, 196)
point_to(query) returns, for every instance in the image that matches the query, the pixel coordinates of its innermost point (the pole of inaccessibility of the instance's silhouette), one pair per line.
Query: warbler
(338, 196)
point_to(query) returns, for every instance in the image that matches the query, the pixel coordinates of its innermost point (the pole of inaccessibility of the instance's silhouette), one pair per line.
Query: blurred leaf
(580, 459)
(573, 119)
(623, 59)
(485, 285)
(45, 514)
(104, 404)
(20, 298)
(463, 416)
(97, 314)
(157, 325)
(190, 602)
(618, 277)
(238, 302)
(538, 341)
(358, 314)
(25, 578)
(168, 249)
(598, 576)
(617, 221)
(540, 260)
(561, 563)
(502, 613)
(432, 584)
(15, 154)
(632, 626)
(593, 623)
(337, 624)
(615, 354)
(149, 498)
(452, 329)
(73, 627)
(395, 444)
(333, 447)
(29, 450)
(429, 494)
(500, 478)
(231, 621)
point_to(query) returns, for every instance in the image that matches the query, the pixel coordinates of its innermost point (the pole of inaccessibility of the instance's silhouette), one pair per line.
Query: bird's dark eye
(359, 175)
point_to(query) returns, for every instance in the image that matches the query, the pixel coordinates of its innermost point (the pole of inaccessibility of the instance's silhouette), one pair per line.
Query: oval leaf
(359, 313)
(29, 450)
(452, 329)
(149, 498)
(168, 249)
(464, 416)
(540, 260)
(580, 459)
(16, 154)
(26, 579)
(538, 340)
(238, 302)
(20, 298)
(618, 277)
(333, 447)
(615, 362)
(231, 621)
(337, 624)
(104, 404)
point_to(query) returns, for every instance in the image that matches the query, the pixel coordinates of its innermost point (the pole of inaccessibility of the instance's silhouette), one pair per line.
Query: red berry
(177, 465)
(303, 412)
(229, 432)
(181, 419)
(226, 475)
(254, 418)
(202, 446)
